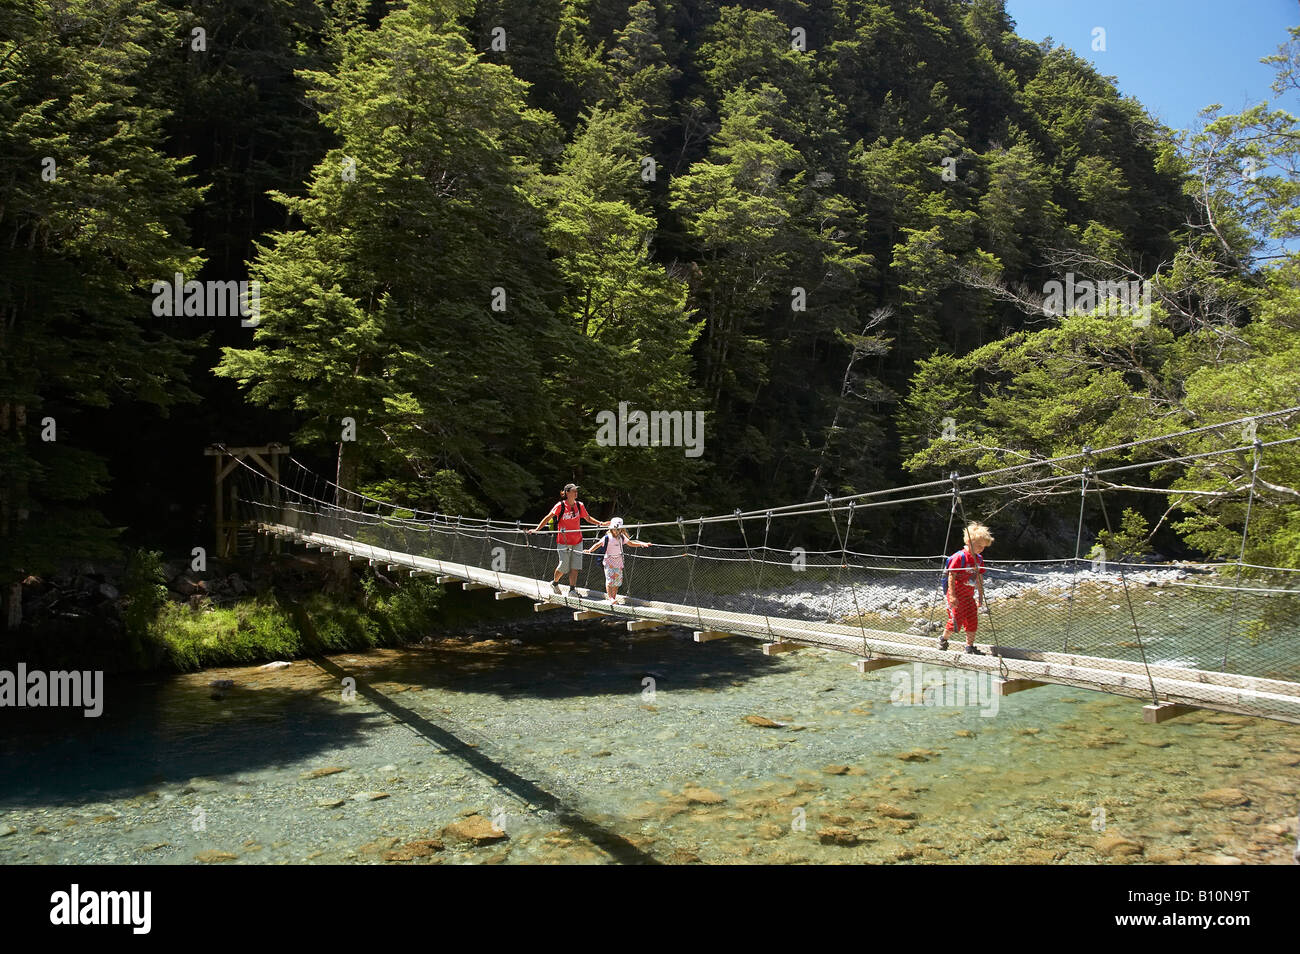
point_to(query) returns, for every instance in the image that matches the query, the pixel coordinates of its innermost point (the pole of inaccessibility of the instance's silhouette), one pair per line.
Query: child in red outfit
(963, 566)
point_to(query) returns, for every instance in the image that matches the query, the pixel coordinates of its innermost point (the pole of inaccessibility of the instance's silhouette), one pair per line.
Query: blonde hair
(977, 532)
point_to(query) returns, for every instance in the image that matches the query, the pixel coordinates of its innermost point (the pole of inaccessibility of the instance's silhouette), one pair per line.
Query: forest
(839, 235)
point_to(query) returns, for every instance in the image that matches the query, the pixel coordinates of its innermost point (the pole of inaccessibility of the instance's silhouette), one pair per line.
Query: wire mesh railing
(1154, 622)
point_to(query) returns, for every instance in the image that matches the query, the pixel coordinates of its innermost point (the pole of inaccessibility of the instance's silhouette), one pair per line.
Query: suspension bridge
(1178, 637)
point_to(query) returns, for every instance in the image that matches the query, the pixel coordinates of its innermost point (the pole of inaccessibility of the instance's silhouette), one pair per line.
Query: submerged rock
(322, 772)
(1118, 846)
(701, 796)
(475, 830)
(893, 811)
(416, 849)
(1224, 798)
(838, 836)
(211, 856)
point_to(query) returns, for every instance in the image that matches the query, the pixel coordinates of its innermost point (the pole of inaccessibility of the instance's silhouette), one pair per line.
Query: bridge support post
(772, 649)
(871, 665)
(1006, 687)
(708, 635)
(1164, 711)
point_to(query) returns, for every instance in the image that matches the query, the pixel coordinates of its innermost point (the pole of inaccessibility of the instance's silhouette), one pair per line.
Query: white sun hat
(616, 523)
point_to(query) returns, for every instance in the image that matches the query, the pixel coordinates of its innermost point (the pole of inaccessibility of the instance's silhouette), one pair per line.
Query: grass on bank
(178, 636)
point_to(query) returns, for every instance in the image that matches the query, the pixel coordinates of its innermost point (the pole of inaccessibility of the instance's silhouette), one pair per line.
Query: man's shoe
(943, 642)
(973, 650)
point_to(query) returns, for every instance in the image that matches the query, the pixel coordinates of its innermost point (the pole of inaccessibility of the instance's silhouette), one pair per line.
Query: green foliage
(145, 591)
(911, 178)
(182, 638)
(1127, 540)
(91, 213)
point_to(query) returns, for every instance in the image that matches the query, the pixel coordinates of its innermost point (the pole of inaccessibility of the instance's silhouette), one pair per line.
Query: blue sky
(1175, 56)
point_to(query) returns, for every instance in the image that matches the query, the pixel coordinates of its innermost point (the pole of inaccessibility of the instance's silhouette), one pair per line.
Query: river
(579, 743)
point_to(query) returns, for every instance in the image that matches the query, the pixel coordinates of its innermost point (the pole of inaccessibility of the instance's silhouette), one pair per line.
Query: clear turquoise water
(563, 742)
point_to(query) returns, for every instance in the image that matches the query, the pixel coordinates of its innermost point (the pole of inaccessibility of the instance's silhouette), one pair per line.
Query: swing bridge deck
(1168, 691)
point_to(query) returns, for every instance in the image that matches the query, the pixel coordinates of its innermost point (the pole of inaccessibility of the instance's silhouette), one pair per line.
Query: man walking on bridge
(568, 515)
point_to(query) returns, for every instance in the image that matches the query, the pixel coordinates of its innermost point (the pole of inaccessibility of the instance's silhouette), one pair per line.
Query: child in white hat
(614, 540)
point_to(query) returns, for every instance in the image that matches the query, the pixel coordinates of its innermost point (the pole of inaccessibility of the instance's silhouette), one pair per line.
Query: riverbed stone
(475, 830)
(916, 755)
(423, 848)
(1165, 855)
(1117, 846)
(323, 771)
(1036, 856)
(762, 722)
(837, 836)
(213, 856)
(1224, 798)
(893, 811)
(701, 796)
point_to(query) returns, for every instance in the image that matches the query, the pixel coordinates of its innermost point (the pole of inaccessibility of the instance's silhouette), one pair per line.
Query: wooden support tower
(224, 461)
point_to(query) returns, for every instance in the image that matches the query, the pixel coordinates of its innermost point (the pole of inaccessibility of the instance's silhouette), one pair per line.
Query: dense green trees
(91, 213)
(478, 226)
(1220, 343)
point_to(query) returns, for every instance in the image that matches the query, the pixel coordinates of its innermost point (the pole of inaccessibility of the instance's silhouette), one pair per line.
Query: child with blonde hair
(962, 568)
(614, 540)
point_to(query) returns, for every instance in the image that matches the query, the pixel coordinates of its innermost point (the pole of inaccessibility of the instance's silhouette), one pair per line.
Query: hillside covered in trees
(830, 227)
